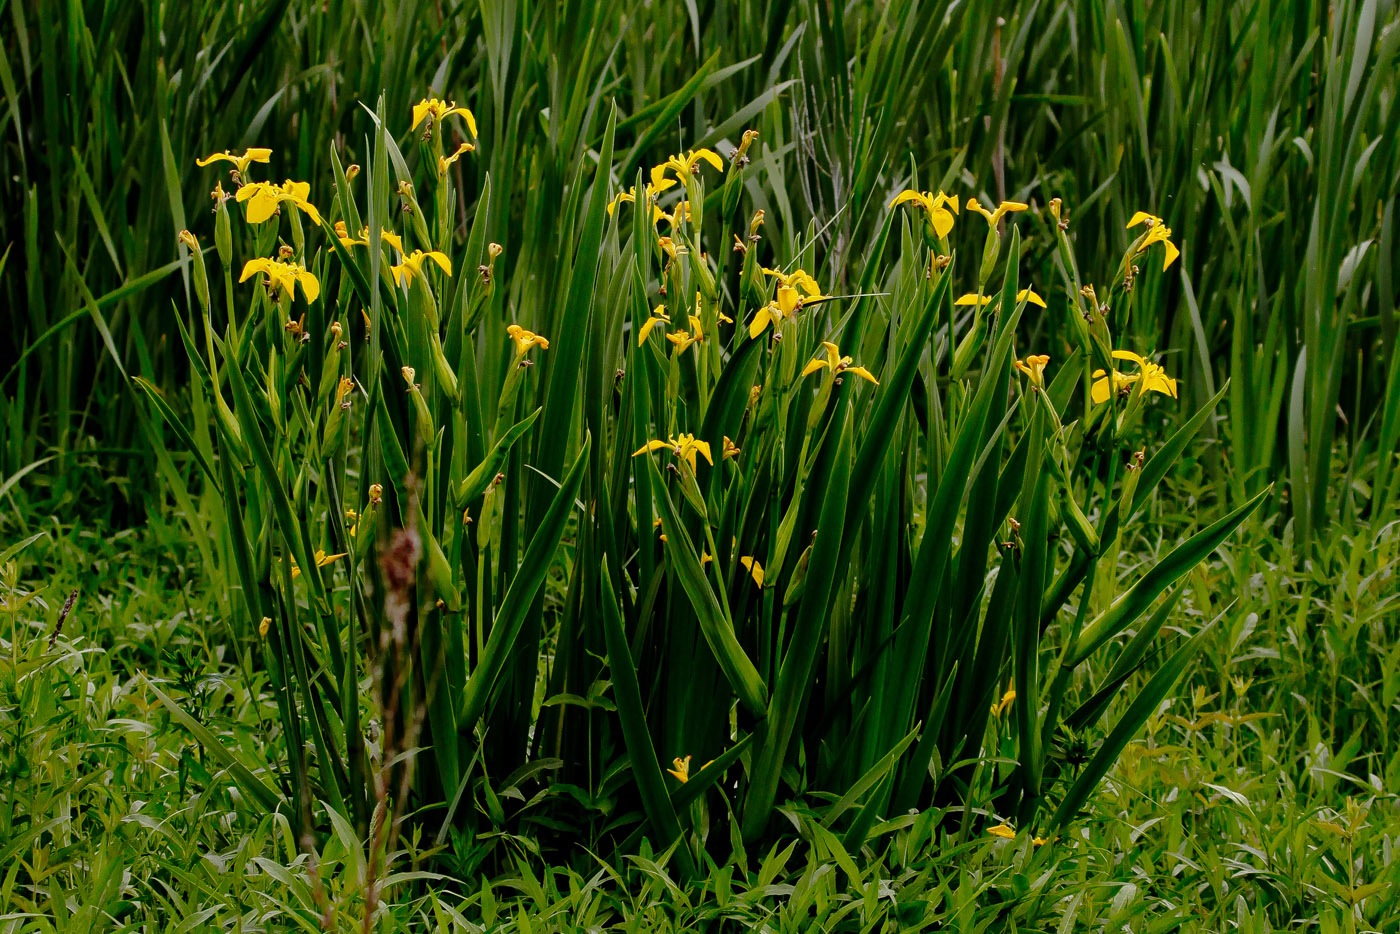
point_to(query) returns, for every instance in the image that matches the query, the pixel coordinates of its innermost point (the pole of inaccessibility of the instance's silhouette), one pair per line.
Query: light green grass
(1203, 825)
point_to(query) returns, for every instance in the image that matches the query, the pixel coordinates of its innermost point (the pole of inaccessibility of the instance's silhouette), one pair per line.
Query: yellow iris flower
(659, 183)
(681, 212)
(658, 317)
(412, 265)
(690, 162)
(938, 208)
(1002, 210)
(683, 339)
(264, 198)
(686, 447)
(283, 276)
(730, 449)
(791, 286)
(445, 161)
(1028, 295)
(999, 708)
(1007, 832)
(837, 364)
(362, 239)
(322, 559)
(1157, 232)
(680, 768)
(240, 163)
(1154, 378)
(439, 111)
(754, 568)
(770, 313)
(1025, 295)
(524, 340)
(1034, 367)
(342, 233)
(798, 278)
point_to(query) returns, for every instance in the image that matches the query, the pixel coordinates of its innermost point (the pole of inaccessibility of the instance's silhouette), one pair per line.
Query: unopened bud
(223, 234)
(741, 154)
(991, 249)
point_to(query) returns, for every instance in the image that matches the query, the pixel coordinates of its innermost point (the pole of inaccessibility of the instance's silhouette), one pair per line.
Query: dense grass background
(1264, 135)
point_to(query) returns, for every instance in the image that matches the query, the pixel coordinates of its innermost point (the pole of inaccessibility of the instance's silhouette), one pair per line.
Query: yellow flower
(1154, 378)
(343, 389)
(999, 708)
(348, 241)
(1034, 367)
(284, 276)
(683, 339)
(445, 161)
(935, 206)
(754, 568)
(685, 447)
(669, 246)
(524, 340)
(629, 196)
(730, 449)
(240, 163)
(1025, 295)
(321, 558)
(1002, 210)
(1028, 295)
(264, 197)
(789, 299)
(658, 317)
(412, 264)
(362, 238)
(681, 768)
(438, 111)
(659, 183)
(770, 313)
(681, 212)
(1157, 232)
(263, 626)
(837, 364)
(795, 280)
(1007, 832)
(690, 162)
